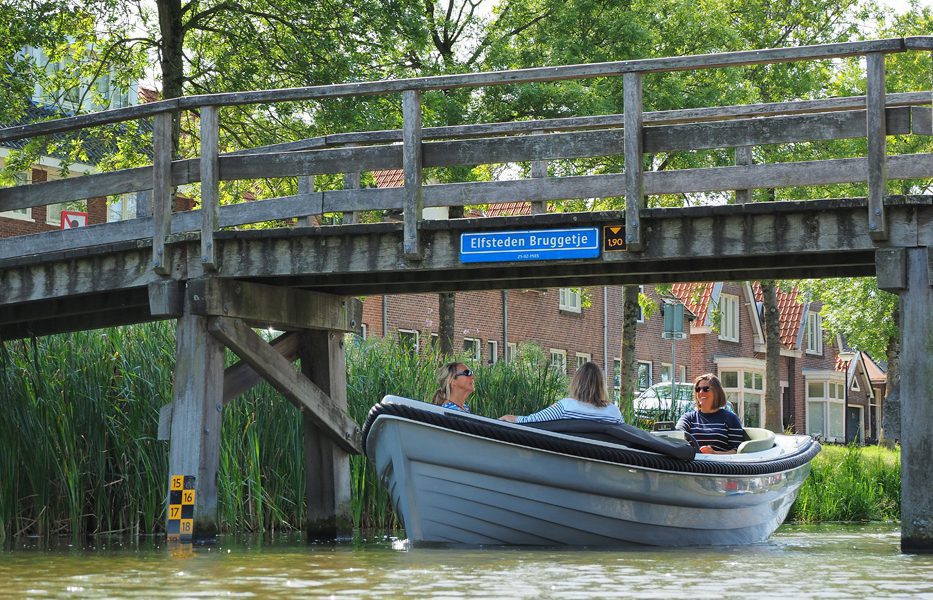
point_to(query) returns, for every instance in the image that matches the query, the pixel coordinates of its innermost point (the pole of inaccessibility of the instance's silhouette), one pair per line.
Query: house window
(472, 349)
(814, 333)
(434, 342)
(644, 375)
(559, 360)
(825, 409)
(121, 207)
(53, 214)
(364, 330)
(583, 358)
(510, 350)
(20, 213)
(729, 318)
(745, 390)
(855, 386)
(666, 372)
(409, 339)
(570, 299)
(492, 348)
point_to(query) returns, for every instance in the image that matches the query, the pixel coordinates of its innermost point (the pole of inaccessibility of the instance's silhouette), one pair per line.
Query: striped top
(453, 406)
(722, 429)
(569, 408)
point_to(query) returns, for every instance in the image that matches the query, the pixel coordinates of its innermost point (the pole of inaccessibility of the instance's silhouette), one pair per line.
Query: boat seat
(758, 439)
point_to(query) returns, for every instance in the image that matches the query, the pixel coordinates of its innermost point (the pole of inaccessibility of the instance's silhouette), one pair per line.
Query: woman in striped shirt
(716, 430)
(589, 401)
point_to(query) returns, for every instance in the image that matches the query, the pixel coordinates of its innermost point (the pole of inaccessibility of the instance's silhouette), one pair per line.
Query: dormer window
(814, 334)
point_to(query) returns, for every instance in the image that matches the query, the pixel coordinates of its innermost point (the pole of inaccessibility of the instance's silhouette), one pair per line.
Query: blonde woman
(589, 401)
(454, 384)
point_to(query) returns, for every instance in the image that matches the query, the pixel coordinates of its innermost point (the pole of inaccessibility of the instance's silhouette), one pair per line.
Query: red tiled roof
(696, 297)
(146, 95)
(508, 209)
(391, 178)
(875, 373)
(791, 313)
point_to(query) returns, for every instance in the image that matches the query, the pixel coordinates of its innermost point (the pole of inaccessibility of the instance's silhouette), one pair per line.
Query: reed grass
(851, 483)
(79, 454)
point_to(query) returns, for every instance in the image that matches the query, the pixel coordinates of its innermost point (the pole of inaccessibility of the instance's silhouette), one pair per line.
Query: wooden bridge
(218, 280)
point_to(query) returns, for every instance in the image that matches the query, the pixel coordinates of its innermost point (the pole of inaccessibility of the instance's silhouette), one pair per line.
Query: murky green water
(824, 562)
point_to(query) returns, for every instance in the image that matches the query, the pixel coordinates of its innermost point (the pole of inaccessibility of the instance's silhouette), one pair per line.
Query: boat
(461, 479)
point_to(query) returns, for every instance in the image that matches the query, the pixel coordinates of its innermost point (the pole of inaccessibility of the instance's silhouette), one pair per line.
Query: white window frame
(411, 332)
(475, 350)
(826, 401)
(435, 340)
(736, 394)
(559, 360)
(492, 347)
(638, 365)
(583, 358)
(364, 330)
(569, 299)
(20, 214)
(681, 373)
(814, 335)
(729, 317)
(121, 206)
(511, 349)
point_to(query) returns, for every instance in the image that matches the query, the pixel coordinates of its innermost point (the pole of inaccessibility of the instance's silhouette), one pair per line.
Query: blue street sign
(538, 244)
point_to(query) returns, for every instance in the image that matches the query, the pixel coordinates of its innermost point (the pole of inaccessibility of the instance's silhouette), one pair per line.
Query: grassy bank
(79, 454)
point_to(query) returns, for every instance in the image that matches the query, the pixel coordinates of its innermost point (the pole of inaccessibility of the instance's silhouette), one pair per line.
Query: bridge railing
(413, 148)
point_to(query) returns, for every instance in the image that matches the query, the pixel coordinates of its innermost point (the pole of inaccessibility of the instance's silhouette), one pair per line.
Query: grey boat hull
(451, 487)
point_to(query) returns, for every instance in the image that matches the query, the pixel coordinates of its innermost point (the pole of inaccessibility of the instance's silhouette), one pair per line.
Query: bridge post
(538, 170)
(161, 190)
(210, 185)
(743, 156)
(351, 181)
(877, 146)
(412, 165)
(327, 466)
(634, 155)
(908, 272)
(197, 410)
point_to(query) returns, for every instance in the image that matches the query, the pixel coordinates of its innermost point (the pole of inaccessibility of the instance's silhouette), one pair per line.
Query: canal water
(812, 561)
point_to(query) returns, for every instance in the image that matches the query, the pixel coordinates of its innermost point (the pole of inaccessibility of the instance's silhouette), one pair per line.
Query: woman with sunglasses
(454, 384)
(589, 401)
(716, 430)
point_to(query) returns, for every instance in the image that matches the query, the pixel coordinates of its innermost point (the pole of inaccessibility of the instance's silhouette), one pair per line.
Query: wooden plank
(282, 376)
(634, 167)
(441, 82)
(327, 466)
(196, 417)
(273, 306)
(306, 186)
(101, 316)
(891, 269)
(239, 378)
(166, 298)
(921, 120)
(210, 185)
(837, 125)
(162, 193)
(413, 205)
(351, 181)
(877, 146)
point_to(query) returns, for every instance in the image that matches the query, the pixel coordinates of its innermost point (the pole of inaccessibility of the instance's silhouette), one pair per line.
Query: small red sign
(73, 218)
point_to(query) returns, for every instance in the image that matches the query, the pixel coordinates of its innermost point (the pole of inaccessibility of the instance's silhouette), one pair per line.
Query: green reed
(851, 483)
(79, 454)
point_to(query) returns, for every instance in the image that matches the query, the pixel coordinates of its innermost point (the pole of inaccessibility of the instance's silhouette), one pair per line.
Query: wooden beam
(239, 378)
(743, 156)
(634, 155)
(273, 306)
(103, 316)
(412, 165)
(351, 181)
(162, 195)
(210, 189)
(282, 376)
(539, 171)
(877, 146)
(166, 298)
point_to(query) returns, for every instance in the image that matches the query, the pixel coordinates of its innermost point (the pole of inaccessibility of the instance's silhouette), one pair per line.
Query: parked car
(654, 404)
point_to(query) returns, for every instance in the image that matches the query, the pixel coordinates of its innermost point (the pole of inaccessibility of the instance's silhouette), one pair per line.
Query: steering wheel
(692, 440)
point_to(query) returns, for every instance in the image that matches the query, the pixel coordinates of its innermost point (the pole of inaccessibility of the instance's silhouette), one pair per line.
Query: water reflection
(813, 561)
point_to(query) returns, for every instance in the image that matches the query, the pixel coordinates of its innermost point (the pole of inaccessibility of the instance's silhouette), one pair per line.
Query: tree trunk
(628, 368)
(891, 410)
(171, 56)
(772, 407)
(446, 308)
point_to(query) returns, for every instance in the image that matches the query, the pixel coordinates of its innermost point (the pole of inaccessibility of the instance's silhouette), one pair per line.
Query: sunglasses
(467, 373)
(702, 388)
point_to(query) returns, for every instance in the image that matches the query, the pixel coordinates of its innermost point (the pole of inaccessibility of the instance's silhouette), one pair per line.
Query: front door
(854, 424)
